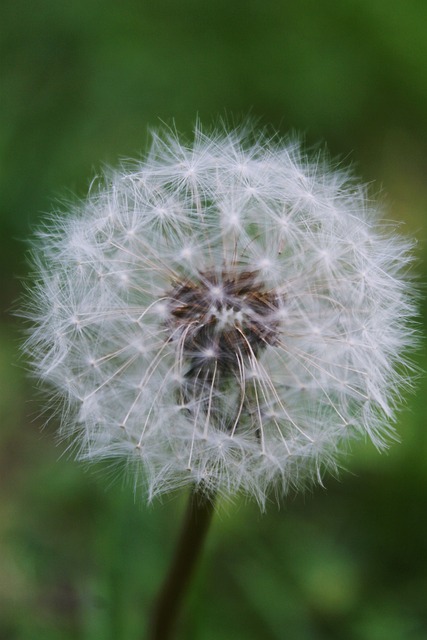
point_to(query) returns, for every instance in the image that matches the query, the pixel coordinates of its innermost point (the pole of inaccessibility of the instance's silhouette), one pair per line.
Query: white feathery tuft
(227, 313)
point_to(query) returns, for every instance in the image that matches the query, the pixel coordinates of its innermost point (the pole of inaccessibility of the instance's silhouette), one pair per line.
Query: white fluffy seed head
(227, 313)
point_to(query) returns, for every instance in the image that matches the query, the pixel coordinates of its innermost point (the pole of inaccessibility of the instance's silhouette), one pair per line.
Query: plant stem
(195, 526)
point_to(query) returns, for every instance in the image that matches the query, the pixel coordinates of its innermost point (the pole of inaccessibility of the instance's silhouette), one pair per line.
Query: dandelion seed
(225, 314)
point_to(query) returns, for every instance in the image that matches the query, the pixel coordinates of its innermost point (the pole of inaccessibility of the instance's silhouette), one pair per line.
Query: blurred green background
(82, 81)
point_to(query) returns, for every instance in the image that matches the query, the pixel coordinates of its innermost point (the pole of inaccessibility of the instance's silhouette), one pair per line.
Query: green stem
(195, 526)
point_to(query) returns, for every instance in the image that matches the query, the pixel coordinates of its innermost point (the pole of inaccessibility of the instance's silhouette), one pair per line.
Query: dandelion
(225, 314)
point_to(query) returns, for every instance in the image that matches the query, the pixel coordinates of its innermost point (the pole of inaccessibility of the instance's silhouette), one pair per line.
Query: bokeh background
(82, 82)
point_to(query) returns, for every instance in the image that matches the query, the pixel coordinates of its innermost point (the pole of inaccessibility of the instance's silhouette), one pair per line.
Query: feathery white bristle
(318, 336)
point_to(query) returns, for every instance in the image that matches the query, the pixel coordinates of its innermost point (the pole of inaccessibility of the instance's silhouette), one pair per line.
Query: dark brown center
(222, 320)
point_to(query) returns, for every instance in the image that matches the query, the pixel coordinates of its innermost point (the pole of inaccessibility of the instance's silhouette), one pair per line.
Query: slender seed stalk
(195, 526)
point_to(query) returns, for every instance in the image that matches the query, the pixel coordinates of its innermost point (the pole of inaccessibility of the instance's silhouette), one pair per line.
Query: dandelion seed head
(228, 312)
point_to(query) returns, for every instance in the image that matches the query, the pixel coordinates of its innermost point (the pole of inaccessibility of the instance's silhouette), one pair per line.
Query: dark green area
(82, 82)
